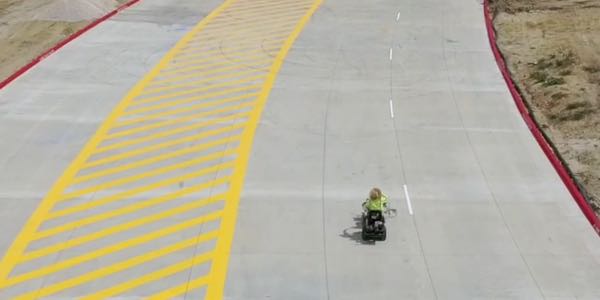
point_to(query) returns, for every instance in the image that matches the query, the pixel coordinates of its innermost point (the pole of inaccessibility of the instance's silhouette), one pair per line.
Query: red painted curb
(60, 44)
(534, 127)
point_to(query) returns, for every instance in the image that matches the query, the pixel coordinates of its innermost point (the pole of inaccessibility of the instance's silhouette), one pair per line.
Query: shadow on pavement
(354, 232)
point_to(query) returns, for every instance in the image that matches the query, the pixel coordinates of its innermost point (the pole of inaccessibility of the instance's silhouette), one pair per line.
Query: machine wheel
(363, 235)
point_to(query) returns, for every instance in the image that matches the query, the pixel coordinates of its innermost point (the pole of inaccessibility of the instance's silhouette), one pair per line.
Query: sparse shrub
(543, 63)
(576, 116)
(539, 76)
(573, 111)
(558, 96)
(565, 73)
(575, 105)
(592, 69)
(550, 81)
(530, 24)
(565, 60)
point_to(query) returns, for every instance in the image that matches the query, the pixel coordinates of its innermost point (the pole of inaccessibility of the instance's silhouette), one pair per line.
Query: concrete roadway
(491, 220)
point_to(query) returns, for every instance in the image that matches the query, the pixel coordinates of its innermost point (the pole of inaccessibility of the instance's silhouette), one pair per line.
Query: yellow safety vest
(377, 204)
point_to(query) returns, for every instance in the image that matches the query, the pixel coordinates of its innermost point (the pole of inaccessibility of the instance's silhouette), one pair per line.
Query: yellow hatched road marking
(154, 172)
(275, 22)
(155, 159)
(251, 11)
(227, 47)
(247, 58)
(195, 91)
(193, 65)
(131, 208)
(142, 239)
(185, 109)
(193, 83)
(190, 120)
(136, 191)
(133, 142)
(283, 18)
(155, 147)
(242, 39)
(221, 53)
(242, 25)
(203, 69)
(185, 119)
(240, 34)
(181, 289)
(162, 273)
(250, 89)
(120, 228)
(203, 74)
(122, 265)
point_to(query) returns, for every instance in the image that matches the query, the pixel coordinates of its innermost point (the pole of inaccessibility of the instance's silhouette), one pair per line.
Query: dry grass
(23, 39)
(553, 51)
(28, 40)
(520, 6)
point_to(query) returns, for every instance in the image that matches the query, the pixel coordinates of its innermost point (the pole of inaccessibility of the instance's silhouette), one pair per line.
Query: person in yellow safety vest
(377, 201)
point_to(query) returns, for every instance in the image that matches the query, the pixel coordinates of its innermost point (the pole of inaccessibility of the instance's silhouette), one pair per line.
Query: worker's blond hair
(375, 193)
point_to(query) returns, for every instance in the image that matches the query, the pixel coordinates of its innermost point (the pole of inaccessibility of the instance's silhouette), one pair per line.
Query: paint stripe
(175, 142)
(173, 132)
(120, 228)
(155, 172)
(181, 289)
(108, 270)
(170, 112)
(148, 278)
(198, 82)
(140, 240)
(130, 208)
(198, 116)
(408, 203)
(251, 89)
(196, 90)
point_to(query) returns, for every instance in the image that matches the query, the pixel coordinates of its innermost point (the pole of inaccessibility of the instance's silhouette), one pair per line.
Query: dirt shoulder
(552, 49)
(28, 28)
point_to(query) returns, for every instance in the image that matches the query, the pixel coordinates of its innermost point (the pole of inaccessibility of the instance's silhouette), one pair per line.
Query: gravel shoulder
(28, 28)
(553, 52)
